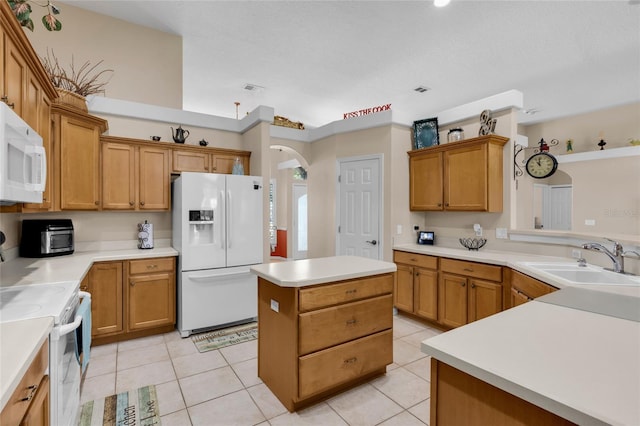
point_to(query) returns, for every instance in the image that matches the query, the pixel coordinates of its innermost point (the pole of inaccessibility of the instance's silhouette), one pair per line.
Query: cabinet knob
(473, 286)
(447, 204)
(131, 203)
(214, 169)
(142, 203)
(97, 203)
(463, 284)
(417, 273)
(132, 283)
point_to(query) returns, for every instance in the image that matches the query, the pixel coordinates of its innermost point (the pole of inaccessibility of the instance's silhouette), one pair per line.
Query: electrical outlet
(576, 254)
(590, 222)
(501, 233)
(275, 306)
(416, 227)
(399, 229)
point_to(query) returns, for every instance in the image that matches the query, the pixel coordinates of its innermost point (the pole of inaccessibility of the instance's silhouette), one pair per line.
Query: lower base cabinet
(316, 341)
(458, 398)
(524, 288)
(131, 299)
(29, 403)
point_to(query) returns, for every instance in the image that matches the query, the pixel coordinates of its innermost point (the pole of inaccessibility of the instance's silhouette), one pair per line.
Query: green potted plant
(22, 10)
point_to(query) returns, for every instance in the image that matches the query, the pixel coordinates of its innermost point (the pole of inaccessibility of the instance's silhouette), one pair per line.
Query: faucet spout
(616, 255)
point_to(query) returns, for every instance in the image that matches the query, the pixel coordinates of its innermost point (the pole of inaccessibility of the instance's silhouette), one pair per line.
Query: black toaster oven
(46, 237)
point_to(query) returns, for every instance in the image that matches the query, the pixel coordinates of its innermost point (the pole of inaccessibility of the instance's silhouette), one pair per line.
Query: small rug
(228, 336)
(138, 407)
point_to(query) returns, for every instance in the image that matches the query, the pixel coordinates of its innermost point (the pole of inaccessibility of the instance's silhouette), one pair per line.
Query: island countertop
(305, 272)
(579, 364)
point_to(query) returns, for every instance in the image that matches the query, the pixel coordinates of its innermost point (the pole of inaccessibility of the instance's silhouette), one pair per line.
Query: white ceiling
(319, 59)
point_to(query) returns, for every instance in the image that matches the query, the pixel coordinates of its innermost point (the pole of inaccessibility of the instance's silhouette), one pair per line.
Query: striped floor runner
(138, 407)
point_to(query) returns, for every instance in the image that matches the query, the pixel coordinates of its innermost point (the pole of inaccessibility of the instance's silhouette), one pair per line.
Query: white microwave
(23, 162)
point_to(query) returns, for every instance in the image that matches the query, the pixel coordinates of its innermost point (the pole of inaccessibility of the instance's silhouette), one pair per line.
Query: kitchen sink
(584, 274)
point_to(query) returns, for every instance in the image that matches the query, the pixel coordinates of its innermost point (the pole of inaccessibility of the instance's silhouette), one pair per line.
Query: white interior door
(360, 207)
(560, 197)
(299, 214)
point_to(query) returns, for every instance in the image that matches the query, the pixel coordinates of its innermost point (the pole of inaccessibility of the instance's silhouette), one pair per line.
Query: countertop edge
(322, 280)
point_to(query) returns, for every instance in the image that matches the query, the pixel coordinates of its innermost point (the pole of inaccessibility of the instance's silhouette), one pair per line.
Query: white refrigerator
(217, 225)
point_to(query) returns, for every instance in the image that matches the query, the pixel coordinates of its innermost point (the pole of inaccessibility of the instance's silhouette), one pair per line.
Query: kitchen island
(324, 325)
(568, 357)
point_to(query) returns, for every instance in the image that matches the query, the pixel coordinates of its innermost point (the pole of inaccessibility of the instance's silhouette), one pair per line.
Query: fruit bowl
(473, 243)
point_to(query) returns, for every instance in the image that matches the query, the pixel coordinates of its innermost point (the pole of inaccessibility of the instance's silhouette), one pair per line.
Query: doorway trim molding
(380, 159)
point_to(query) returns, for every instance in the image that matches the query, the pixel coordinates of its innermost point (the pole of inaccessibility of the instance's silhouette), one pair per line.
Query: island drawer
(413, 259)
(327, 327)
(145, 266)
(322, 296)
(471, 269)
(323, 370)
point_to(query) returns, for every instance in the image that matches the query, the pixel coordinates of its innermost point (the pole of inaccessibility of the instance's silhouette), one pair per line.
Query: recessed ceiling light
(421, 89)
(440, 3)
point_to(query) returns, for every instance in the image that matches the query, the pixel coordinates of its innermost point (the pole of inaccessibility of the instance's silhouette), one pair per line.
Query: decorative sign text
(366, 111)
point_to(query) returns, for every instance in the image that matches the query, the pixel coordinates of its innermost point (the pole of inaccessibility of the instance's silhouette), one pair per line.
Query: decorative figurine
(569, 145)
(601, 144)
(179, 135)
(203, 143)
(487, 124)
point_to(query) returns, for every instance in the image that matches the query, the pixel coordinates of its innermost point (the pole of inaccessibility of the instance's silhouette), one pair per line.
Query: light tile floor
(221, 387)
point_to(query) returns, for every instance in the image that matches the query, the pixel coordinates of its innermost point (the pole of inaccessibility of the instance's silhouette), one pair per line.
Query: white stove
(60, 301)
(22, 302)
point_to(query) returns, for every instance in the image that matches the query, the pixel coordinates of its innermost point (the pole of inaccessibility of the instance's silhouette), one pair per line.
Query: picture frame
(425, 133)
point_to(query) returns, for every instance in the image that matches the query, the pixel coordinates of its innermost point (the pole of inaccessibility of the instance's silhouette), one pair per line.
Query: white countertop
(73, 267)
(19, 344)
(300, 273)
(580, 365)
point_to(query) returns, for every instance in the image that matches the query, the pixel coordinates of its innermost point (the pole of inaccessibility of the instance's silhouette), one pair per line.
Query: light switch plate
(275, 306)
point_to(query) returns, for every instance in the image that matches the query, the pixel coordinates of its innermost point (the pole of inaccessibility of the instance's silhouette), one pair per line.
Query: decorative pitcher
(179, 135)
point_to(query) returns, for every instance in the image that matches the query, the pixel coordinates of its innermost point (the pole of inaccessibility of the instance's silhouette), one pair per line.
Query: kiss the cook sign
(366, 111)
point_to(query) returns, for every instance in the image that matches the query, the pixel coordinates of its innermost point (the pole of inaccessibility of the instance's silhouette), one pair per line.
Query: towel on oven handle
(83, 333)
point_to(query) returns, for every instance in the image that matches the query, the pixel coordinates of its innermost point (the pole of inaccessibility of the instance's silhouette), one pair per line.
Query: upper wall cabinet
(190, 158)
(459, 176)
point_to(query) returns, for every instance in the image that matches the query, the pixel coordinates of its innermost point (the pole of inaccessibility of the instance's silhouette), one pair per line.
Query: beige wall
(147, 63)
(321, 198)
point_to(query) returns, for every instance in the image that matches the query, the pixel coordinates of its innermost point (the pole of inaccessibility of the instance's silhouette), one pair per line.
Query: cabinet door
(485, 299)
(518, 298)
(465, 178)
(118, 176)
(15, 76)
(105, 286)
(38, 411)
(452, 309)
(190, 161)
(223, 163)
(30, 109)
(426, 293)
(403, 289)
(425, 182)
(79, 165)
(155, 179)
(151, 300)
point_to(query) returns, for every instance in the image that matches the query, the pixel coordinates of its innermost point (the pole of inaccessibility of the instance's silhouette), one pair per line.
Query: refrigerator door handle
(223, 209)
(208, 277)
(229, 227)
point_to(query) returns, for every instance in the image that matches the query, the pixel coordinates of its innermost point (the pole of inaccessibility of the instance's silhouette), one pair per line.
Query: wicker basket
(71, 99)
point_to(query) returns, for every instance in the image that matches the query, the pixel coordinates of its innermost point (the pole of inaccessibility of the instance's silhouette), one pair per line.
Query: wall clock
(541, 165)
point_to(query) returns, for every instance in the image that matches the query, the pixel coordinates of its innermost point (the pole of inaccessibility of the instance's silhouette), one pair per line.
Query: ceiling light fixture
(421, 89)
(440, 3)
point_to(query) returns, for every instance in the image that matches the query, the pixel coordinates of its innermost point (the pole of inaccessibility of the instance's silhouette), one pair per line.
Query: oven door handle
(68, 328)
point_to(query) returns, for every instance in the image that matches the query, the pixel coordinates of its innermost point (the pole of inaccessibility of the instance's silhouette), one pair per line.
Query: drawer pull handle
(413, 259)
(352, 321)
(351, 360)
(352, 291)
(152, 266)
(32, 389)
(468, 269)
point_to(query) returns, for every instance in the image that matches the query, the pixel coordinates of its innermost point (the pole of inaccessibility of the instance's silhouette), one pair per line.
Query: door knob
(372, 242)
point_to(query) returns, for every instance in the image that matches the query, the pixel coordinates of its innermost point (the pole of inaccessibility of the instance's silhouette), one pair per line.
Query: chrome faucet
(616, 255)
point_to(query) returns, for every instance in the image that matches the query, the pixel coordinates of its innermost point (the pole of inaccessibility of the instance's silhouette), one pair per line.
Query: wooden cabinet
(77, 150)
(135, 177)
(469, 291)
(459, 176)
(131, 298)
(204, 159)
(458, 398)
(105, 286)
(524, 288)
(317, 340)
(151, 293)
(416, 284)
(29, 403)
